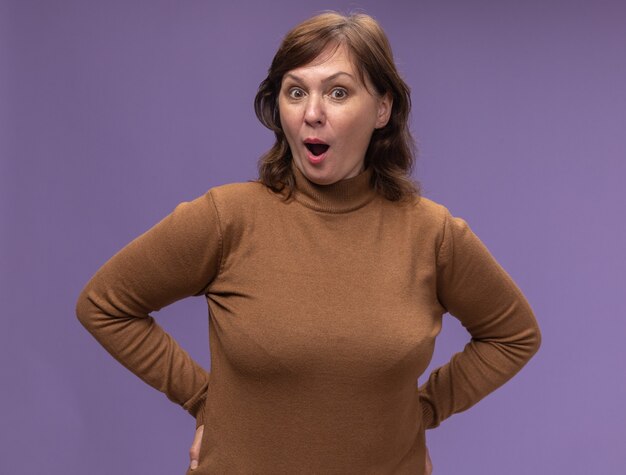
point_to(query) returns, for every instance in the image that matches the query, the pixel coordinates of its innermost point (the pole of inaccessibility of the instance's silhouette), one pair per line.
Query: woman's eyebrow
(328, 79)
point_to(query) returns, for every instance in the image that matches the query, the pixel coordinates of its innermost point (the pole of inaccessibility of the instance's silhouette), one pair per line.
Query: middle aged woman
(326, 282)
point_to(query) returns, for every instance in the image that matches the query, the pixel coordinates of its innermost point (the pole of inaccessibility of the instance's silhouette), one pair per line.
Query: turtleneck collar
(340, 197)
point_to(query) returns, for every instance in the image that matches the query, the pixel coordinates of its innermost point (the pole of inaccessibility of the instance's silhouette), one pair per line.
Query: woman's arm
(474, 288)
(177, 258)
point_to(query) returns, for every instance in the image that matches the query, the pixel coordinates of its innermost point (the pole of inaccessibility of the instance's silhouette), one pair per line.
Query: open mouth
(317, 149)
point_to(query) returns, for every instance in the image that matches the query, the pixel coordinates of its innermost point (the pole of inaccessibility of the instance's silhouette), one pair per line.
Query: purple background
(113, 112)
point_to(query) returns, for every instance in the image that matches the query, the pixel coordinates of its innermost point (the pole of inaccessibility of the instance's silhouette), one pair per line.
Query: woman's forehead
(331, 60)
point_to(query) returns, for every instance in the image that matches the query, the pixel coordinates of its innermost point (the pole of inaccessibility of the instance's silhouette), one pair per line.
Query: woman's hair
(390, 153)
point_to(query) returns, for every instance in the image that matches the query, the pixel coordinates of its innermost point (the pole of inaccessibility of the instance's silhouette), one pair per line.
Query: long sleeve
(474, 288)
(177, 258)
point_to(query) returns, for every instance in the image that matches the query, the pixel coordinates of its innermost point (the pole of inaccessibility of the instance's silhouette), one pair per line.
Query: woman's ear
(385, 105)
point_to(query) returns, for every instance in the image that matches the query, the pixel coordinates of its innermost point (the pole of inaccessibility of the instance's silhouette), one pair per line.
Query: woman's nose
(314, 114)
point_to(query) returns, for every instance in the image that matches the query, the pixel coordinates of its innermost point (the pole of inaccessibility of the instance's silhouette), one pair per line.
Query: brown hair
(390, 153)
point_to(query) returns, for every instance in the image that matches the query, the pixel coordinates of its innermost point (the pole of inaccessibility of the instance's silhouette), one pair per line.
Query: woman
(326, 282)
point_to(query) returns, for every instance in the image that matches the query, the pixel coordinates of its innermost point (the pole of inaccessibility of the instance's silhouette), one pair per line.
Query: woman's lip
(315, 159)
(314, 140)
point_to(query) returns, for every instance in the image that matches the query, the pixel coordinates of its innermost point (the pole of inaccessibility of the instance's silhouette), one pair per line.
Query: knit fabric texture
(323, 314)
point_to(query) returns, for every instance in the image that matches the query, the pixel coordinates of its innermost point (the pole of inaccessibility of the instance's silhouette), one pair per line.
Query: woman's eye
(296, 93)
(338, 93)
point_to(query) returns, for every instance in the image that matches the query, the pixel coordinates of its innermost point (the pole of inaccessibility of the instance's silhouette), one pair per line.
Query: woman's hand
(194, 451)
(428, 467)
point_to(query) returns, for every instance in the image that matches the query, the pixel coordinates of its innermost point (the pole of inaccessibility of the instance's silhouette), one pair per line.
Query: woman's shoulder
(238, 190)
(426, 210)
(428, 205)
(432, 219)
(242, 198)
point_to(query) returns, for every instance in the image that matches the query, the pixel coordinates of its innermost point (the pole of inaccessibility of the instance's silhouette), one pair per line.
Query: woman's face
(328, 117)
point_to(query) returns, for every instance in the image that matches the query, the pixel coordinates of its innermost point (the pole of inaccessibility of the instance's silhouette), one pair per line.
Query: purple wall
(113, 112)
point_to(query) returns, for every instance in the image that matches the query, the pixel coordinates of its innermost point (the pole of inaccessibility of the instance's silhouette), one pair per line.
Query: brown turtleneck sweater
(323, 314)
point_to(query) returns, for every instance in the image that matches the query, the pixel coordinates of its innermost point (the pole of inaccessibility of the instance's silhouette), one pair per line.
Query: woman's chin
(319, 176)
(323, 173)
